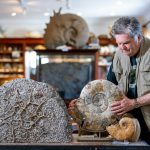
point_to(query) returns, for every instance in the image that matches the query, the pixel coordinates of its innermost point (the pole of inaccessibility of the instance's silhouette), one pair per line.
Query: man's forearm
(144, 100)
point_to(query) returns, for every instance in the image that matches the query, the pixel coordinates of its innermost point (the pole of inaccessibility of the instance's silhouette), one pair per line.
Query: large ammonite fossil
(92, 109)
(66, 29)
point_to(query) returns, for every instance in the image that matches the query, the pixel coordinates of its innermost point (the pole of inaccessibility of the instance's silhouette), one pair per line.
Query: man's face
(127, 45)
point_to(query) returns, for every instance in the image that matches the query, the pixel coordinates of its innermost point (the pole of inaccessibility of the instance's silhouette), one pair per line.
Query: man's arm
(126, 104)
(144, 100)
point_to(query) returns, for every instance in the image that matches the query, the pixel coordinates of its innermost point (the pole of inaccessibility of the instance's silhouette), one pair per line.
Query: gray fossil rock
(32, 112)
(66, 29)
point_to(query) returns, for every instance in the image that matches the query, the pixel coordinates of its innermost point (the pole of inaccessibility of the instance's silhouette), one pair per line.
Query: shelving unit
(103, 65)
(12, 52)
(12, 60)
(67, 71)
(105, 55)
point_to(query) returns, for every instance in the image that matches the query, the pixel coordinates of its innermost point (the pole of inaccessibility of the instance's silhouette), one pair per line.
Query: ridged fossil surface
(32, 112)
(66, 29)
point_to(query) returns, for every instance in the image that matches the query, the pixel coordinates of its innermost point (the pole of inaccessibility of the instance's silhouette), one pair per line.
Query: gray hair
(127, 25)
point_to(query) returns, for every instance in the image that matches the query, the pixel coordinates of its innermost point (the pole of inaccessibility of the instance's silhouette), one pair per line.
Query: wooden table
(75, 145)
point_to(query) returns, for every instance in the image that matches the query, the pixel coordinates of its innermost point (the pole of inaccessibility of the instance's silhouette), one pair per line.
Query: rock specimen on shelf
(66, 29)
(32, 112)
(127, 129)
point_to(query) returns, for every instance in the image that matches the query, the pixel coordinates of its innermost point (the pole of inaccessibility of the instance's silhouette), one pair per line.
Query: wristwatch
(136, 104)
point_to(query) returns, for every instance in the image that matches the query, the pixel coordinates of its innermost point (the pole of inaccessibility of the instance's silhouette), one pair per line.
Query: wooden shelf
(66, 69)
(104, 41)
(105, 58)
(23, 43)
(11, 61)
(7, 52)
(11, 72)
(8, 61)
(11, 77)
(106, 54)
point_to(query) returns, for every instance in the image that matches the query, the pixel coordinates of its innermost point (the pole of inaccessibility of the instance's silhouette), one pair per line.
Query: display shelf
(67, 71)
(12, 52)
(10, 46)
(104, 63)
(70, 146)
(12, 60)
(104, 41)
(76, 145)
(11, 71)
(106, 53)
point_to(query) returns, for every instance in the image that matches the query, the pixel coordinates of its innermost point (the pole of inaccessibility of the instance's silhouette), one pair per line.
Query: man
(130, 70)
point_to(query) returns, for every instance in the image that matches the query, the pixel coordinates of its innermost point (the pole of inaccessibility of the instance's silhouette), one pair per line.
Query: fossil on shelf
(66, 29)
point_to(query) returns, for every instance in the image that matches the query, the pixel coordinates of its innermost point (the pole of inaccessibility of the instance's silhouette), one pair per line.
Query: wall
(35, 27)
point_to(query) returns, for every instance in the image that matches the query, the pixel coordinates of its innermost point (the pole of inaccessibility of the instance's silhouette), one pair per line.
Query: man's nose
(122, 46)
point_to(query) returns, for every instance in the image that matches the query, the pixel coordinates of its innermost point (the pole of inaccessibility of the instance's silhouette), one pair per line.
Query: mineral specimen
(126, 129)
(32, 112)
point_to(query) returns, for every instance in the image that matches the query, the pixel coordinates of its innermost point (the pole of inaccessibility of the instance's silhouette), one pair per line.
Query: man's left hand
(122, 106)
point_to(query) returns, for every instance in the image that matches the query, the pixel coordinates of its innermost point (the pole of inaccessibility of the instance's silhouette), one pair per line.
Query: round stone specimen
(32, 112)
(93, 105)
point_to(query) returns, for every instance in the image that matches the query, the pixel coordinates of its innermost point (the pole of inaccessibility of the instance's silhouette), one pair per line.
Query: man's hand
(122, 106)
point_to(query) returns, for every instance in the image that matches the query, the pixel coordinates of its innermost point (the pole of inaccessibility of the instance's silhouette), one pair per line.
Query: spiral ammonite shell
(66, 29)
(94, 104)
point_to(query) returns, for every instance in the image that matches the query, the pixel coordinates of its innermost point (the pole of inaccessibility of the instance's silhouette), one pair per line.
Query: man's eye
(127, 42)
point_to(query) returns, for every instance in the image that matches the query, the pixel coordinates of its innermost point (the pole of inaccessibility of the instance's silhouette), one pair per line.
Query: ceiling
(34, 14)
